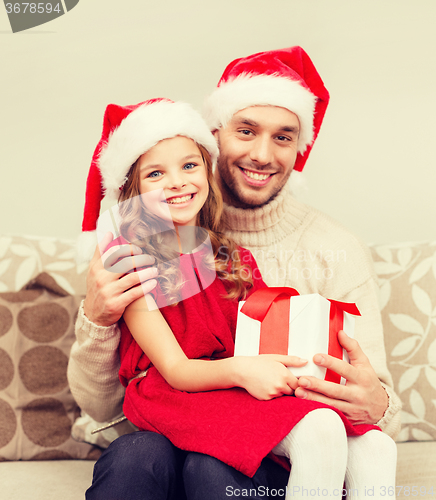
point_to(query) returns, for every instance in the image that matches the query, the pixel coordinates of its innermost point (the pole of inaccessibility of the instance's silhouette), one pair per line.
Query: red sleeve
(248, 260)
(116, 242)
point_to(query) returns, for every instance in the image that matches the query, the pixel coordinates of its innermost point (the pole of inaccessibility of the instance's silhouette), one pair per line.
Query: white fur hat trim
(262, 90)
(142, 129)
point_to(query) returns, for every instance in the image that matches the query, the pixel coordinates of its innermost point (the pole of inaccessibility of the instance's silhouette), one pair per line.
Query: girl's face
(173, 180)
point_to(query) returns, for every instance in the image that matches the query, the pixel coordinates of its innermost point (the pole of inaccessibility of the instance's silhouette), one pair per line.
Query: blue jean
(146, 466)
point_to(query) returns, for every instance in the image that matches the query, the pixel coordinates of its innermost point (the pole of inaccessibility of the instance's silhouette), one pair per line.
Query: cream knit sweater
(294, 245)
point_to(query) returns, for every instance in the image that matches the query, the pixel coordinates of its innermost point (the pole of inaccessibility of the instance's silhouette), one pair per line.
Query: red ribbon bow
(271, 306)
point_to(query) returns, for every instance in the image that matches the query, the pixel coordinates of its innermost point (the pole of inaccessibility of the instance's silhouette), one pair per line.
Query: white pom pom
(297, 183)
(85, 247)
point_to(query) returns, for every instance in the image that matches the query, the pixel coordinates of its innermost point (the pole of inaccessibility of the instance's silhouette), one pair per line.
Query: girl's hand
(266, 376)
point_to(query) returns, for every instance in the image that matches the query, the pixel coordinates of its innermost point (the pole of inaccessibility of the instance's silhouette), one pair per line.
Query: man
(265, 113)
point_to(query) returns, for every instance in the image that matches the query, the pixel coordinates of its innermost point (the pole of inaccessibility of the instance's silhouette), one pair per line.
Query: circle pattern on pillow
(37, 409)
(5, 320)
(8, 423)
(45, 422)
(7, 371)
(43, 370)
(44, 322)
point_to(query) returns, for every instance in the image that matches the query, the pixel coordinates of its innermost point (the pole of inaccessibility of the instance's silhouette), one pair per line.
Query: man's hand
(362, 400)
(267, 376)
(111, 281)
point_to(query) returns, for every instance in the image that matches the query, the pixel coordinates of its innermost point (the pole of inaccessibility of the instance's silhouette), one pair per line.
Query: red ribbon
(271, 306)
(336, 323)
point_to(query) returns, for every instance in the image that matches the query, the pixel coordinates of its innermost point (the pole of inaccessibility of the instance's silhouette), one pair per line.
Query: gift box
(278, 320)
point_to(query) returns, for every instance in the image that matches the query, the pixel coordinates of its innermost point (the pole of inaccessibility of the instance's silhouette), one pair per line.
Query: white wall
(373, 167)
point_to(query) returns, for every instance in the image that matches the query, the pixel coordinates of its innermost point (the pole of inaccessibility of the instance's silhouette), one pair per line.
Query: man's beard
(229, 184)
(236, 195)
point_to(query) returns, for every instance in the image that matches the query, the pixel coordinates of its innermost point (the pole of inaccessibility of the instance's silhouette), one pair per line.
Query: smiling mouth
(256, 178)
(179, 199)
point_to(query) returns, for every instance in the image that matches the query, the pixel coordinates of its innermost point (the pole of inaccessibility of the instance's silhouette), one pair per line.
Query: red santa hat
(129, 132)
(286, 78)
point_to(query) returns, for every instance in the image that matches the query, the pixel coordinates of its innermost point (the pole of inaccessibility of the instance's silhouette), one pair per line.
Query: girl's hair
(147, 231)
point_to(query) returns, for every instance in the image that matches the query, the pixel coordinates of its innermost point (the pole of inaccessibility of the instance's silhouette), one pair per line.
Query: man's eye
(283, 138)
(245, 132)
(154, 174)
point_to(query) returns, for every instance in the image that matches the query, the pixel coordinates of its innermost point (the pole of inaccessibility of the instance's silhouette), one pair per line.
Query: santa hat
(286, 78)
(129, 132)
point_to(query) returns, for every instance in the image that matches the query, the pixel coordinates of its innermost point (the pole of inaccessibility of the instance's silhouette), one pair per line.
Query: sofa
(40, 290)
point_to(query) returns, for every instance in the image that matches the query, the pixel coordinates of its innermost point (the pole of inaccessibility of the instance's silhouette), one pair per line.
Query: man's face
(258, 149)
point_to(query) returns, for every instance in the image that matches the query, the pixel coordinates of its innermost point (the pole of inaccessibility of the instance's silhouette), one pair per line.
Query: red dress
(228, 424)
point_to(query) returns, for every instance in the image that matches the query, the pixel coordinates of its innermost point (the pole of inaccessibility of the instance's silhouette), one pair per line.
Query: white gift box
(310, 325)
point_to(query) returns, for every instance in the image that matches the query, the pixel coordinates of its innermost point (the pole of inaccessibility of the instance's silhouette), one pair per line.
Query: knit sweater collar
(267, 224)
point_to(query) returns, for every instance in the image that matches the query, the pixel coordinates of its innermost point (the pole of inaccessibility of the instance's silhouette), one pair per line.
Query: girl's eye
(154, 174)
(189, 166)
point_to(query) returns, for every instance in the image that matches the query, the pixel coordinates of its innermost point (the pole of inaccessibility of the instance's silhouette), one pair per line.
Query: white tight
(323, 457)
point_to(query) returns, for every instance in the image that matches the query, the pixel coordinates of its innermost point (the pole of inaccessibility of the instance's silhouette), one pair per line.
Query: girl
(177, 343)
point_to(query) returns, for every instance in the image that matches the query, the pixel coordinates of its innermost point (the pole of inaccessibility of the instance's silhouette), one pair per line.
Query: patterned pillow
(37, 409)
(24, 257)
(407, 276)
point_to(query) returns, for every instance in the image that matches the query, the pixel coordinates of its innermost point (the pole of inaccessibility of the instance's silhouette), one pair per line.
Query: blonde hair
(147, 231)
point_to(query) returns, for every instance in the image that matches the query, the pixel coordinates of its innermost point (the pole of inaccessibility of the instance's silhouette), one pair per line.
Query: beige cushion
(62, 480)
(407, 276)
(68, 480)
(416, 466)
(37, 409)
